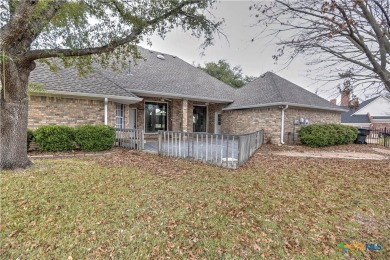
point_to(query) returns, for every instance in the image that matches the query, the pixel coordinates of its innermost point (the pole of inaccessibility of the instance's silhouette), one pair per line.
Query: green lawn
(139, 205)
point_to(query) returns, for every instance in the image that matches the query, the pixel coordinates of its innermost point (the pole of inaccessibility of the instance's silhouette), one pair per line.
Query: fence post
(227, 151)
(239, 151)
(159, 142)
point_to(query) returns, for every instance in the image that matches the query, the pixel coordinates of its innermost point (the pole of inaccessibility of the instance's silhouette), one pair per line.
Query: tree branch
(11, 31)
(136, 32)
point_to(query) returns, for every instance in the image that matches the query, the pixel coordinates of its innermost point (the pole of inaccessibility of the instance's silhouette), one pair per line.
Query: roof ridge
(276, 86)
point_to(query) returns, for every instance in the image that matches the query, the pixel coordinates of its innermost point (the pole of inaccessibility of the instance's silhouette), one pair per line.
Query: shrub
(318, 135)
(30, 137)
(95, 137)
(55, 138)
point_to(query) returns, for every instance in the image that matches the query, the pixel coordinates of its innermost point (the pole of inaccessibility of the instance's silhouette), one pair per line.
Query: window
(199, 118)
(155, 117)
(119, 118)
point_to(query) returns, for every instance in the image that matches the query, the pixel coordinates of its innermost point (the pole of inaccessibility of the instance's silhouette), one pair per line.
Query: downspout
(282, 127)
(105, 111)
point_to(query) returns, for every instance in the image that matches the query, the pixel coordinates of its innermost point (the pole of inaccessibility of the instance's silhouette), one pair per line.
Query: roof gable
(377, 106)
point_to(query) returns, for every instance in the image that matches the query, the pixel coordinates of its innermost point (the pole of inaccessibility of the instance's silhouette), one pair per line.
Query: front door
(132, 118)
(218, 123)
(199, 119)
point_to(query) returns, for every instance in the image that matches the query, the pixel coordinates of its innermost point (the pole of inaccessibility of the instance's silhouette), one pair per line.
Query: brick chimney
(333, 101)
(345, 99)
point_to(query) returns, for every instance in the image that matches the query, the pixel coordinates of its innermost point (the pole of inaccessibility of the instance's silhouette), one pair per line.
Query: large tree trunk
(14, 114)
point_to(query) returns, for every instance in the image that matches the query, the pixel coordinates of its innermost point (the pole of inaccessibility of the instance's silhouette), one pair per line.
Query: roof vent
(129, 71)
(161, 57)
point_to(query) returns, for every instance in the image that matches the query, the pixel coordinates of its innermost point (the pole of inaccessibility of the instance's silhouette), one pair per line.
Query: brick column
(185, 115)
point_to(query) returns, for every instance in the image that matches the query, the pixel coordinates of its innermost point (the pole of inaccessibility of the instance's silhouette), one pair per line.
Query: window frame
(167, 117)
(207, 117)
(122, 117)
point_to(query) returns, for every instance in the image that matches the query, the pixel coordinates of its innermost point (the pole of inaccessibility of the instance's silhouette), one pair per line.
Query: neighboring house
(163, 92)
(373, 113)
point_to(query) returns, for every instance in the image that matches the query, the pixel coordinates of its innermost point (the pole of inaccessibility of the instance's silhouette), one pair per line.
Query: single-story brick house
(163, 92)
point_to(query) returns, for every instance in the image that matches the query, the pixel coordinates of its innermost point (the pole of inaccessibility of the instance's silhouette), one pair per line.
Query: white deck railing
(130, 138)
(229, 151)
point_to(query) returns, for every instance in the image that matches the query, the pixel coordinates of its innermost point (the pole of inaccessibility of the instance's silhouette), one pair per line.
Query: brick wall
(64, 111)
(314, 117)
(212, 108)
(76, 111)
(379, 125)
(176, 115)
(269, 119)
(250, 120)
(190, 111)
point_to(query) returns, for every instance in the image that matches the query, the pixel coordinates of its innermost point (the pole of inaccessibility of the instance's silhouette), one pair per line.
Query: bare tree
(348, 38)
(79, 33)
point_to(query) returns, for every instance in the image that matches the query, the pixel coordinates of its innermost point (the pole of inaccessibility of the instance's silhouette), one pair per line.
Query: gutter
(90, 95)
(282, 125)
(286, 104)
(105, 111)
(180, 96)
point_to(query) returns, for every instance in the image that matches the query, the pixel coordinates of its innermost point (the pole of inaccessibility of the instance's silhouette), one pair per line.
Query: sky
(255, 58)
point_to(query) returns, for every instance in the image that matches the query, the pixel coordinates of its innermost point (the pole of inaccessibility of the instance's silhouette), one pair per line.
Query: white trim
(357, 124)
(180, 96)
(123, 112)
(282, 125)
(136, 115)
(286, 104)
(216, 121)
(90, 95)
(168, 116)
(370, 104)
(105, 111)
(380, 120)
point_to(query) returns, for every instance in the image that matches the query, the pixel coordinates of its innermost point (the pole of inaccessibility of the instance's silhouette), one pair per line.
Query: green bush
(95, 137)
(318, 135)
(55, 138)
(30, 137)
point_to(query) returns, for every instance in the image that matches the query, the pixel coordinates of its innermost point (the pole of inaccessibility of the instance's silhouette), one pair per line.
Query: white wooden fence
(130, 138)
(229, 151)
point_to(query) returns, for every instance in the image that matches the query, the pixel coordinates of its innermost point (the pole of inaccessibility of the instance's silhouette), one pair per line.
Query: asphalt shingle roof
(68, 80)
(149, 75)
(348, 117)
(271, 89)
(171, 76)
